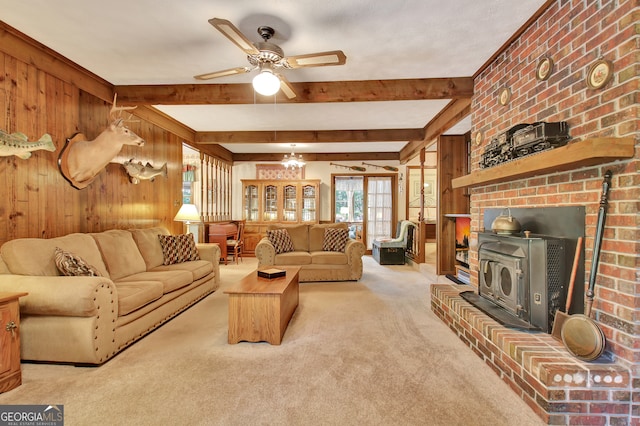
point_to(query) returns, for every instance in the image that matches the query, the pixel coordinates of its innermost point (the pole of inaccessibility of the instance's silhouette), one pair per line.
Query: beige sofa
(88, 319)
(316, 264)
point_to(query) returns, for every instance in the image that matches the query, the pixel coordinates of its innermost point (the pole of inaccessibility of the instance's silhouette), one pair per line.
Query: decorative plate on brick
(505, 96)
(478, 138)
(545, 67)
(599, 73)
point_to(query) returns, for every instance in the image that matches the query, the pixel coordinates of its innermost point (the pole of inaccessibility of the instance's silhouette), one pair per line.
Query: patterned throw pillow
(281, 240)
(335, 239)
(73, 266)
(178, 248)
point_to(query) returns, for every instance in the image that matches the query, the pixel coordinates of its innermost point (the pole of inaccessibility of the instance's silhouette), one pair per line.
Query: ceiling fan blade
(223, 73)
(286, 87)
(232, 33)
(334, 57)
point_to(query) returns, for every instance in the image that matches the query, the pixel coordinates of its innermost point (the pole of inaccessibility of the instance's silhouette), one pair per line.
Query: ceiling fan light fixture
(266, 83)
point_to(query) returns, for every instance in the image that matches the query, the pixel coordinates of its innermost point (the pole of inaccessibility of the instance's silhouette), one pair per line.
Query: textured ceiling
(158, 43)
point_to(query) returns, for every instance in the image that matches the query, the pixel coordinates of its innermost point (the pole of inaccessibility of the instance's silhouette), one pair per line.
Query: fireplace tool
(561, 317)
(582, 337)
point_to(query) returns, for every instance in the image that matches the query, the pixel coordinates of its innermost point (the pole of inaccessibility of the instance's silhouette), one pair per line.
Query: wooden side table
(10, 371)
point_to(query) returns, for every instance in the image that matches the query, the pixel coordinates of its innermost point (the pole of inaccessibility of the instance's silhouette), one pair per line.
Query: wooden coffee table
(260, 308)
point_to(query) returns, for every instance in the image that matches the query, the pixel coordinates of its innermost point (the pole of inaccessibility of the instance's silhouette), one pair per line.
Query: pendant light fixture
(292, 161)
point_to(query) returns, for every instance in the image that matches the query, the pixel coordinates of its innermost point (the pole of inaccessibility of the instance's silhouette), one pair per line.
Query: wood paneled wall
(35, 199)
(452, 163)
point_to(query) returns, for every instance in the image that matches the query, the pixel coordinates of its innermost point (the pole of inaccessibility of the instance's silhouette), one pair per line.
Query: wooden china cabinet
(265, 202)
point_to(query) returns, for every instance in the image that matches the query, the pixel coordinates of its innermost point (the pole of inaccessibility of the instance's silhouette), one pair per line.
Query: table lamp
(188, 213)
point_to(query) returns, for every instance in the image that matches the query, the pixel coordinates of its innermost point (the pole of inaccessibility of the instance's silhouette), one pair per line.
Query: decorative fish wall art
(138, 171)
(18, 144)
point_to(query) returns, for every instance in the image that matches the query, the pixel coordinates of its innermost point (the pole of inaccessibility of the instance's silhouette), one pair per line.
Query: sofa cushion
(316, 234)
(299, 235)
(328, 258)
(170, 280)
(199, 268)
(335, 239)
(134, 295)
(294, 258)
(280, 239)
(120, 253)
(178, 248)
(73, 266)
(36, 256)
(149, 245)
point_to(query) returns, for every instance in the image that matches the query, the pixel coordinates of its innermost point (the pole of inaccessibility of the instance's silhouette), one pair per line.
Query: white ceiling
(168, 42)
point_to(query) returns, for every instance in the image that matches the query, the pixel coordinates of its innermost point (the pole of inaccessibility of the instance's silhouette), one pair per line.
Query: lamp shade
(187, 213)
(266, 83)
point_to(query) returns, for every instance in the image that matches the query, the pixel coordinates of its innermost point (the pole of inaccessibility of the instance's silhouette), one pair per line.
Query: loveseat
(88, 319)
(317, 249)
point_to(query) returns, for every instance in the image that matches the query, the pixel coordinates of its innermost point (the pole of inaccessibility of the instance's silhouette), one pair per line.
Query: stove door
(485, 277)
(508, 278)
(501, 281)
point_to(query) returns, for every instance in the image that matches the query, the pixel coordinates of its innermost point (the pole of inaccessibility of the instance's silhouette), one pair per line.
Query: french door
(367, 203)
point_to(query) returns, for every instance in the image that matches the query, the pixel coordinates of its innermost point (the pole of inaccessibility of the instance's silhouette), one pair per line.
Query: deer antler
(116, 109)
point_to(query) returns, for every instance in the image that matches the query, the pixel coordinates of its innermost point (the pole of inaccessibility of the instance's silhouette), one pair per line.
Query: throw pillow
(281, 240)
(178, 248)
(335, 239)
(73, 266)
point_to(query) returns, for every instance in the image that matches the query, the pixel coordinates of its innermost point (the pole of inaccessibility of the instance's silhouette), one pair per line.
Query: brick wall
(576, 33)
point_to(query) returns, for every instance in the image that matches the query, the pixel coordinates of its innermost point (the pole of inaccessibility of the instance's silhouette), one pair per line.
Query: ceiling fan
(267, 57)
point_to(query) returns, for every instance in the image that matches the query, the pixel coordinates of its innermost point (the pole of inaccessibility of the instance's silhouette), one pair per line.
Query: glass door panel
(251, 203)
(379, 209)
(309, 203)
(290, 204)
(270, 203)
(349, 203)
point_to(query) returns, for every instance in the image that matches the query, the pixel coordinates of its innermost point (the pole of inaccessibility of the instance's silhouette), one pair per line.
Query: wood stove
(524, 275)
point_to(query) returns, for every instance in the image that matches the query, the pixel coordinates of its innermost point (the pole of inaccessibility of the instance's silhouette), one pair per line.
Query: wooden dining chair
(235, 246)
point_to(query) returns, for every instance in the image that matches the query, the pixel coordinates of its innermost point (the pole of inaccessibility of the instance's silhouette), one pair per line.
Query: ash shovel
(561, 317)
(580, 334)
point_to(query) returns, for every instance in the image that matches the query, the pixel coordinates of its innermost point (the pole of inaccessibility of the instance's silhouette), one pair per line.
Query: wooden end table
(260, 308)
(10, 371)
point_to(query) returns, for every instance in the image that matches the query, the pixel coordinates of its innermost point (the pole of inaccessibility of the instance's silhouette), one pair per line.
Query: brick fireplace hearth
(561, 389)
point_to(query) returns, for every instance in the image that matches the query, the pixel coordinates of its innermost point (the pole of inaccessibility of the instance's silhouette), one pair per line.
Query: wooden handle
(587, 307)
(574, 270)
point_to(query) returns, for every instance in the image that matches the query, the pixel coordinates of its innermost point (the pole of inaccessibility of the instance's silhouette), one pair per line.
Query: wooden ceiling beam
(183, 132)
(307, 92)
(323, 156)
(165, 122)
(455, 111)
(309, 136)
(216, 151)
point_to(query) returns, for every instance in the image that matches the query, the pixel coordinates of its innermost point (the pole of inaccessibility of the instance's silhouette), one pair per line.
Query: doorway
(371, 213)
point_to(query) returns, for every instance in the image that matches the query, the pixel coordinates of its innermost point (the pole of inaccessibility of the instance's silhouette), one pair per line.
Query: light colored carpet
(365, 353)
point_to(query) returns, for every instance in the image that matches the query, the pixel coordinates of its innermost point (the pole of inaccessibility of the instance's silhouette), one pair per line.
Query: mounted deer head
(81, 160)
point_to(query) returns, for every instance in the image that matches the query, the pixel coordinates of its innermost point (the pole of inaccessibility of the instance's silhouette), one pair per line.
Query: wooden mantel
(574, 155)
